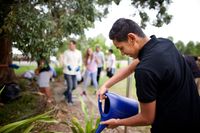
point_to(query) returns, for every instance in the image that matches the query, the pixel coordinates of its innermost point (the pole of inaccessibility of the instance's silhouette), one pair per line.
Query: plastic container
(116, 106)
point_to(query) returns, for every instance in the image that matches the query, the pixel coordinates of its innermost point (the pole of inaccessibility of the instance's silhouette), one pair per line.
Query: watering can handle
(100, 105)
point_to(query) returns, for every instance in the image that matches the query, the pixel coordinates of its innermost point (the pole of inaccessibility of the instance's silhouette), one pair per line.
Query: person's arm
(79, 61)
(120, 75)
(144, 118)
(65, 61)
(96, 59)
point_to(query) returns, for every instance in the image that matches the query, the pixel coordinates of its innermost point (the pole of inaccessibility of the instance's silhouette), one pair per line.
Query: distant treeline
(191, 48)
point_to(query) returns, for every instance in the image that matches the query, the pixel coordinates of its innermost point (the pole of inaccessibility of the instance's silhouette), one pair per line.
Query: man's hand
(102, 90)
(112, 123)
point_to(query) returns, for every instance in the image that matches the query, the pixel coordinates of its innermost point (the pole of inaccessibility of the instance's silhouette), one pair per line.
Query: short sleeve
(146, 85)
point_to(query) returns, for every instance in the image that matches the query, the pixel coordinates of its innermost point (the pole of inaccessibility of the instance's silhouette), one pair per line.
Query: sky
(185, 25)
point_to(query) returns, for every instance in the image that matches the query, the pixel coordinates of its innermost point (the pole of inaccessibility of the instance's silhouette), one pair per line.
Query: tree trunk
(7, 75)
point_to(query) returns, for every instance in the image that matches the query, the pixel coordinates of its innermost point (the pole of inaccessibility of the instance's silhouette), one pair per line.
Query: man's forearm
(136, 120)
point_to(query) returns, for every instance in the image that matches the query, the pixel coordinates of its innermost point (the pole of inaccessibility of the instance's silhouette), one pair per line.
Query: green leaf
(49, 121)
(93, 130)
(2, 89)
(12, 126)
(84, 109)
(97, 122)
(77, 124)
(88, 127)
(28, 129)
(74, 129)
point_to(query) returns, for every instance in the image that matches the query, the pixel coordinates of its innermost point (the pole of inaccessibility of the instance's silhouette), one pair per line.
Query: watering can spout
(100, 128)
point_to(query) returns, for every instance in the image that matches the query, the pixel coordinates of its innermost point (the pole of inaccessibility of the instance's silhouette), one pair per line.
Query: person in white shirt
(72, 61)
(101, 58)
(111, 64)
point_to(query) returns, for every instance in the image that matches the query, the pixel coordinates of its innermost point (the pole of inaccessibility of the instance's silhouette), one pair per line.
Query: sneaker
(70, 104)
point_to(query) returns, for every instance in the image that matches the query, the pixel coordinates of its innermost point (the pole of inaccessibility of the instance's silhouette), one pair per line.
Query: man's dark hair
(122, 27)
(73, 41)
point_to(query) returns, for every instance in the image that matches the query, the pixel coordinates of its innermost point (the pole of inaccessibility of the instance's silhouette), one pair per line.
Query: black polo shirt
(163, 75)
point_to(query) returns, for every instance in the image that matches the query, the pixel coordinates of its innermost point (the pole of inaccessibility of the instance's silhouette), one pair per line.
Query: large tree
(180, 46)
(197, 49)
(37, 27)
(190, 48)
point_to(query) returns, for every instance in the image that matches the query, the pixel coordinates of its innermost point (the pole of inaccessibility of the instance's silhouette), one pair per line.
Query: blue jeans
(90, 75)
(71, 85)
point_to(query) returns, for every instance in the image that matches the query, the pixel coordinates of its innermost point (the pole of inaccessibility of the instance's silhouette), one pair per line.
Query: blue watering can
(116, 106)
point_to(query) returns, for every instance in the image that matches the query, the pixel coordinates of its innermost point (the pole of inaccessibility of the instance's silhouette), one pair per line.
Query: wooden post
(128, 87)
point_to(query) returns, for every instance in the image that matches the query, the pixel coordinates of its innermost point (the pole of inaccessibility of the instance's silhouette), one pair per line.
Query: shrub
(90, 126)
(27, 125)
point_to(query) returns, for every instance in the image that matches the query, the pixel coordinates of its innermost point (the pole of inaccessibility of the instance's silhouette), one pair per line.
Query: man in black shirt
(166, 91)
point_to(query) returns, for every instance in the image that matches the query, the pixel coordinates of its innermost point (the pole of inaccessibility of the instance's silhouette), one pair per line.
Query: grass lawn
(23, 69)
(119, 88)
